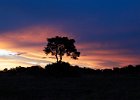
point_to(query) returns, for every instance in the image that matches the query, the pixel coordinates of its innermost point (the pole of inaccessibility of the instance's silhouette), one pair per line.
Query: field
(88, 87)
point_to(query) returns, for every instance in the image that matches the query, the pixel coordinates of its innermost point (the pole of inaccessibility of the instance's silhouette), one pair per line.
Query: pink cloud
(32, 41)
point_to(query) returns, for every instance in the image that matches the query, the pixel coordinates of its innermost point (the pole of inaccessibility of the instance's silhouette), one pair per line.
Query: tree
(59, 46)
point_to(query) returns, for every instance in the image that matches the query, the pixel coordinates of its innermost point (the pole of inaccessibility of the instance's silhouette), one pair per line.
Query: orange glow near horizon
(25, 48)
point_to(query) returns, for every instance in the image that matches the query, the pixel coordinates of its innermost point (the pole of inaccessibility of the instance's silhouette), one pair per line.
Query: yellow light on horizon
(6, 52)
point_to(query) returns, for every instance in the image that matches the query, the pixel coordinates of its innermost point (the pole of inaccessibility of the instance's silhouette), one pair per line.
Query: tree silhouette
(58, 46)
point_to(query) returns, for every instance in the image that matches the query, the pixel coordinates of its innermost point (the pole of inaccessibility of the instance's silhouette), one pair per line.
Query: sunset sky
(107, 32)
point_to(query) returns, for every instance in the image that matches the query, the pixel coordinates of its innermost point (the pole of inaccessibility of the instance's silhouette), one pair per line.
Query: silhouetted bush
(130, 69)
(35, 70)
(61, 69)
(65, 69)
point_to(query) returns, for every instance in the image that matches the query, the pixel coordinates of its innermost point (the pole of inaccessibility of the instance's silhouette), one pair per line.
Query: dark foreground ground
(90, 87)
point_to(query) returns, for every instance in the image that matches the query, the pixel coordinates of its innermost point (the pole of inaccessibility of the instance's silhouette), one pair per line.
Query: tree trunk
(56, 58)
(60, 58)
(56, 55)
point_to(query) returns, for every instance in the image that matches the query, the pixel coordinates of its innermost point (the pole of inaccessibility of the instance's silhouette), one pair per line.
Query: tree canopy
(59, 46)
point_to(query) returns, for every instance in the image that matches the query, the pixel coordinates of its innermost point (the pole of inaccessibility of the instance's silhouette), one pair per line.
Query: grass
(90, 87)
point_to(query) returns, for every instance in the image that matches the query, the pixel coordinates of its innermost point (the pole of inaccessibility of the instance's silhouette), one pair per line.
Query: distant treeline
(65, 69)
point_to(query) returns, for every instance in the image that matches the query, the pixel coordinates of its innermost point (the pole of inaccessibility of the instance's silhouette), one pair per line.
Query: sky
(107, 32)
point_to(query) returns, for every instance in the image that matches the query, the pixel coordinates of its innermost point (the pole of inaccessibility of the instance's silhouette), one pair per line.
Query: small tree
(58, 46)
